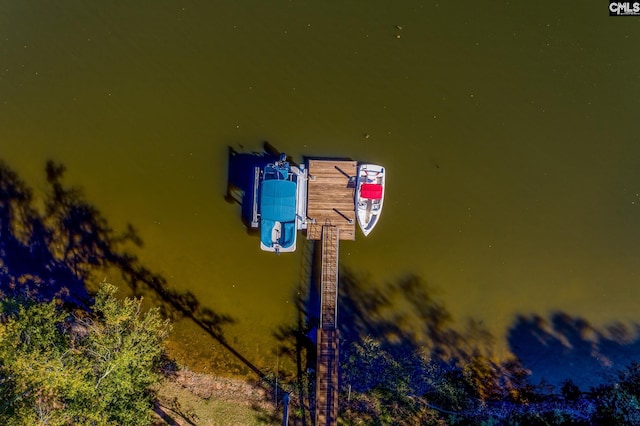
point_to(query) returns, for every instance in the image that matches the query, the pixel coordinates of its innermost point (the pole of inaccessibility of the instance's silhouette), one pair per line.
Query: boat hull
(370, 190)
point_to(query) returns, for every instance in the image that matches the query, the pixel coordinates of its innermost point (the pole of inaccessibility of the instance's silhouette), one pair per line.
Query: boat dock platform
(325, 195)
(331, 186)
(326, 210)
(331, 197)
(330, 218)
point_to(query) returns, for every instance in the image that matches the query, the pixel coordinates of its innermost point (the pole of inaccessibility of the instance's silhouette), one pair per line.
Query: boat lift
(301, 195)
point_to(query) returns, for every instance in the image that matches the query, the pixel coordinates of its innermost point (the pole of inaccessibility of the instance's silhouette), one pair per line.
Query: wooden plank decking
(330, 197)
(327, 378)
(327, 365)
(331, 217)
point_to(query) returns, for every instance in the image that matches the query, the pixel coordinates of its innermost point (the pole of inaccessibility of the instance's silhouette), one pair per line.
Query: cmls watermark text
(624, 8)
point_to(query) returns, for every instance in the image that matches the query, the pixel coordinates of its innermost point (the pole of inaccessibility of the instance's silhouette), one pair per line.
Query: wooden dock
(331, 217)
(331, 197)
(327, 364)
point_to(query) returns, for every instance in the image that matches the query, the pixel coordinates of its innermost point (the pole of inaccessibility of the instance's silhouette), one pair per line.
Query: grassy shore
(189, 398)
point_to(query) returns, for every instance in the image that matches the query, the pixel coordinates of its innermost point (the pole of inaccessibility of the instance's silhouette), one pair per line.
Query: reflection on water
(507, 129)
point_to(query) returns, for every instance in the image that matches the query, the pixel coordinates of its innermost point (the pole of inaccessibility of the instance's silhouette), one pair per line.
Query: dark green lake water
(509, 131)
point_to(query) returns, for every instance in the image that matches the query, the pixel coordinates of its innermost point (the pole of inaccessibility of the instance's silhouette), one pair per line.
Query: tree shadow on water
(59, 246)
(399, 338)
(563, 348)
(45, 254)
(402, 361)
(399, 355)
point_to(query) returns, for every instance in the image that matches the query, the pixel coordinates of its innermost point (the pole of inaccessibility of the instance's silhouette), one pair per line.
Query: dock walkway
(327, 364)
(331, 218)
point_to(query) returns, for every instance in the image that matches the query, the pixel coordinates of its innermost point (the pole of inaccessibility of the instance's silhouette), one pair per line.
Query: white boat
(369, 196)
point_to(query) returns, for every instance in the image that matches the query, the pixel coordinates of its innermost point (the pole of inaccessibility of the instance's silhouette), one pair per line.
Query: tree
(93, 368)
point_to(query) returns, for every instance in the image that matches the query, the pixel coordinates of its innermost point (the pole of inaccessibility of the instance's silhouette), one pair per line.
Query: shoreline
(187, 398)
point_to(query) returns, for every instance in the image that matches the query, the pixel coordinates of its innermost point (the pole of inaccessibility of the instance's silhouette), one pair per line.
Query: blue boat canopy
(278, 200)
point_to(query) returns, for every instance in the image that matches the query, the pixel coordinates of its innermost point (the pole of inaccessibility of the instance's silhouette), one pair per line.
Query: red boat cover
(372, 191)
